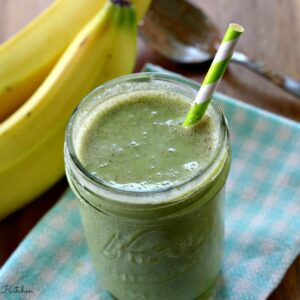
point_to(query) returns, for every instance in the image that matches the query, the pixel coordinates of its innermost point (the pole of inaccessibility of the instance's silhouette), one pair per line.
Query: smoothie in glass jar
(151, 192)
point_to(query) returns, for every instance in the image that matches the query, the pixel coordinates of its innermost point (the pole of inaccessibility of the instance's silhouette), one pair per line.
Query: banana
(141, 7)
(28, 57)
(31, 139)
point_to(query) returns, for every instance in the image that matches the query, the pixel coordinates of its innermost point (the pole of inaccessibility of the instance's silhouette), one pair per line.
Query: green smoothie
(138, 142)
(150, 192)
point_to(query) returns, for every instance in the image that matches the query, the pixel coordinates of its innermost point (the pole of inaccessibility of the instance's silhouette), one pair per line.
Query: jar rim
(96, 184)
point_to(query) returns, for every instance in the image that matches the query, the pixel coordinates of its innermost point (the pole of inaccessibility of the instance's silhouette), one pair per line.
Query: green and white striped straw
(214, 74)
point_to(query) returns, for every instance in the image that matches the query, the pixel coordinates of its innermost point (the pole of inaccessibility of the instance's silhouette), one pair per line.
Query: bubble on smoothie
(117, 148)
(164, 184)
(171, 123)
(191, 166)
(159, 123)
(103, 165)
(134, 143)
(143, 186)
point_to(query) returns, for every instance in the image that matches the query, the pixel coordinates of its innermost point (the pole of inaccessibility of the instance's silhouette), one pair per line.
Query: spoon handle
(285, 82)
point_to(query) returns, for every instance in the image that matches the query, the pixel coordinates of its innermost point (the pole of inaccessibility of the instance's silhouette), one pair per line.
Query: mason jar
(162, 244)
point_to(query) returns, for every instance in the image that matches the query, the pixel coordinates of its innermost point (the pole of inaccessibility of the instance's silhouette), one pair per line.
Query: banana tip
(121, 2)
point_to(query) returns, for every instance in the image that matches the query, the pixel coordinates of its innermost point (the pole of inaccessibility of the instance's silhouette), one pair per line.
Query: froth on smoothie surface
(136, 141)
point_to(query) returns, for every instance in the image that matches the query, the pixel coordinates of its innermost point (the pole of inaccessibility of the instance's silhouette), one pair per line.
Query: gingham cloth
(262, 221)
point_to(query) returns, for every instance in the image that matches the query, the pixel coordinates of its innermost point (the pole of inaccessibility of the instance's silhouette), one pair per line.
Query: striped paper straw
(214, 75)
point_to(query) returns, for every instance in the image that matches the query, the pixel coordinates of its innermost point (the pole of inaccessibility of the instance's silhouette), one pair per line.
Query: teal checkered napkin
(262, 217)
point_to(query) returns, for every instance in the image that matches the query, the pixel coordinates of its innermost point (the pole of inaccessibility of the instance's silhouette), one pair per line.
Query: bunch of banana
(31, 139)
(28, 57)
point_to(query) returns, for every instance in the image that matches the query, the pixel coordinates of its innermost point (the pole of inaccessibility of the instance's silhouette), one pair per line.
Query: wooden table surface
(272, 35)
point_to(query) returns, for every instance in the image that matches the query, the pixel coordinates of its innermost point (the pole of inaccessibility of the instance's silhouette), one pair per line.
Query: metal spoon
(169, 28)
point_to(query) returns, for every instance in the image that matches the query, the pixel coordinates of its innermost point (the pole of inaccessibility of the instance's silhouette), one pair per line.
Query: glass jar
(170, 248)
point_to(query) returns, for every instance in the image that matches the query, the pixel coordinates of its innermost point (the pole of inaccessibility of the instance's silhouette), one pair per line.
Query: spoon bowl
(169, 28)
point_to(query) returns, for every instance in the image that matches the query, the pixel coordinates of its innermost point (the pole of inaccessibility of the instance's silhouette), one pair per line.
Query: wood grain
(272, 36)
